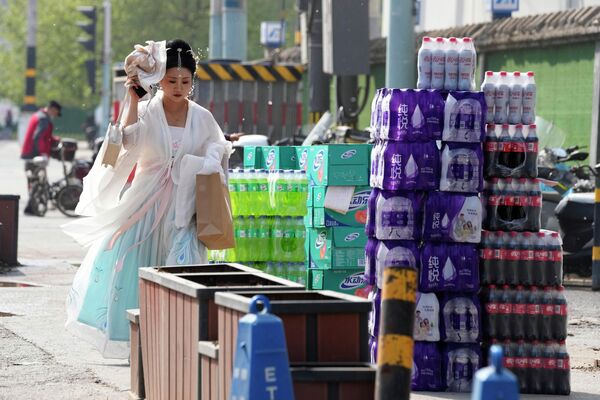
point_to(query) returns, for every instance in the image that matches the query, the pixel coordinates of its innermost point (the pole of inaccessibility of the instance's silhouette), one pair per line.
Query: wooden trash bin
(333, 381)
(209, 370)
(312, 381)
(322, 326)
(136, 391)
(178, 311)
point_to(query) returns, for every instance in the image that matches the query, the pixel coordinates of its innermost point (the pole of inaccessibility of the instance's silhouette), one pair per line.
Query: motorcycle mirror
(578, 156)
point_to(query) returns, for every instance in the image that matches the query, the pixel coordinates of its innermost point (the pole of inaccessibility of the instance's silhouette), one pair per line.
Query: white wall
(441, 14)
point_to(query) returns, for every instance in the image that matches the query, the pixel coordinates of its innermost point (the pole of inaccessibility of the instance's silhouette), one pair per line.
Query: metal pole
(318, 80)
(106, 64)
(395, 347)
(215, 31)
(29, 106)
(596, 248)
(234, 32)
(400, 63)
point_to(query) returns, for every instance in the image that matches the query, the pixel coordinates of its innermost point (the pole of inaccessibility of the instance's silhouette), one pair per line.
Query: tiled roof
(577, 25)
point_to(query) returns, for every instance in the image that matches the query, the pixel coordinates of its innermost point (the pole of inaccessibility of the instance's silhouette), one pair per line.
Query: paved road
(39, 359)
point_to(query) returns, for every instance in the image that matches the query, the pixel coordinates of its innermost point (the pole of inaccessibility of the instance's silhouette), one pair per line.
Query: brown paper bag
(214, 221)
(111, 154)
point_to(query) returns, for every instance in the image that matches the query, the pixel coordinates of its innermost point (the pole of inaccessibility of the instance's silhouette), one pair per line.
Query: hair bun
(187, 56)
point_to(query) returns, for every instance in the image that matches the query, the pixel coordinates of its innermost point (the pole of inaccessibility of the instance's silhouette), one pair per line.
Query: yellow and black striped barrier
(395, 347)
(207, 71)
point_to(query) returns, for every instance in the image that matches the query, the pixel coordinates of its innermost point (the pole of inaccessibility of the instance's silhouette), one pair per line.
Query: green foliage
(60, 58)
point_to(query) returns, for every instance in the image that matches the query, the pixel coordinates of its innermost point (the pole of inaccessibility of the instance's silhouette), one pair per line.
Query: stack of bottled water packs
(525, 308)
(425, 211)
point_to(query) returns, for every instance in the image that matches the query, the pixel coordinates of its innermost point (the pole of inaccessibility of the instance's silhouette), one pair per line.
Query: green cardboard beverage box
(308, 218)
(337, 248)
(279, 157)
(356, 215)
(253, 157)
(302, 154)
(339, 165)
(349, 281)
(309, 199)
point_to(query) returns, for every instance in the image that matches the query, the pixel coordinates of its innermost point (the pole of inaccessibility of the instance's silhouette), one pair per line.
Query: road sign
(272, 33)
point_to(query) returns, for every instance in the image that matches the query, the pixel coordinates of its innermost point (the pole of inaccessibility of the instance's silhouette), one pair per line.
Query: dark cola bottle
(540, 260)
(491, 152)
(518, 155)
(519, 310)
(490, 320)
(509, 348)
(531, 141)
(521, 365)
(563, 370)
(554, 268)
(505, 204)
(500, 256)
(505, 313)
(505, 151)
(486, 259)
(549, 367)
(527, 256)
(535, 378)
(534, 206)
(547, 315)
(492, 203)
(513, 259)
(559, 317)
(534, 312)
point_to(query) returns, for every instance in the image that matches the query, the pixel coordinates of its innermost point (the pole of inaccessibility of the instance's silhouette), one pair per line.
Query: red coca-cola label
(500, 254)
(527, 255)
(532, 147)
(535, 201)
(507, 200)
(491, 146)
(548, 309)
(540, 255)
(487, 254)
(521, 362)
(519, 309)
(555, 255)
(533, 309)
(506, 147)
(509, 362)
(504, 308)
(521, 201)
(563, 363)
(491, 308)
(549, 363)
(518, 147)
(513, 255)
(560, 309)
(535, 362)
(494, 200)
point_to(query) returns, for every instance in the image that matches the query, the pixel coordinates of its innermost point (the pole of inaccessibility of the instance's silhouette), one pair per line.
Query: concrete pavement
(40, 359)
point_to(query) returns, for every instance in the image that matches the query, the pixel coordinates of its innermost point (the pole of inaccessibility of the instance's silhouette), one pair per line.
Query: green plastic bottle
(252, 250)
(263, 239)
(277, 239)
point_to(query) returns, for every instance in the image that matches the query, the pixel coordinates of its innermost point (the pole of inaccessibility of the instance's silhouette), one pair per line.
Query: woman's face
(177, 84)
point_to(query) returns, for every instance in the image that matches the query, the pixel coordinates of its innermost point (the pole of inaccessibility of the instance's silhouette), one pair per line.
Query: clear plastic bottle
(438, 64)
(488, 87)
(529, 99)
(451, 64)
(501, 99)
(424, 63)
(515, 99)
(466, 65)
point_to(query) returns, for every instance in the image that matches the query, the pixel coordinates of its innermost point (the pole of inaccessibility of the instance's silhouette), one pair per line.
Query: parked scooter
(568, 200)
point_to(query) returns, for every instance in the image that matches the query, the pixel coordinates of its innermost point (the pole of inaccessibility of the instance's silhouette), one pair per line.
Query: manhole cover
(16, 284)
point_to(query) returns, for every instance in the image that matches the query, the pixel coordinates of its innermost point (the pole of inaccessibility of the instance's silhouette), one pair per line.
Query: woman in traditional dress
(170, 138)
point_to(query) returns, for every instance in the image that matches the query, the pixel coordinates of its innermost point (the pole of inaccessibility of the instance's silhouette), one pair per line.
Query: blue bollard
(261, 369)
(495, 382)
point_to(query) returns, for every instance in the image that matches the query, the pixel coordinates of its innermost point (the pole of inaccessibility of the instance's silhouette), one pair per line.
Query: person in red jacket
(38, 137)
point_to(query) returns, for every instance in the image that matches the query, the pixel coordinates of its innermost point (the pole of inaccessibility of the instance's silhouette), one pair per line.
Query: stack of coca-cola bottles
(525, 309)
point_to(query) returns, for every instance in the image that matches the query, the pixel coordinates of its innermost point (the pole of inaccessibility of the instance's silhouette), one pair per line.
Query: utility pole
(318, 81)
(215, 34)
(106, 65)
(400, 52)
(29, 100)
(234, 31)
